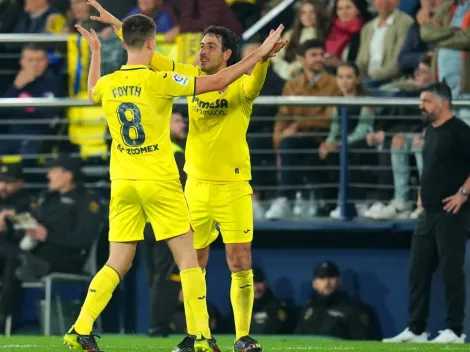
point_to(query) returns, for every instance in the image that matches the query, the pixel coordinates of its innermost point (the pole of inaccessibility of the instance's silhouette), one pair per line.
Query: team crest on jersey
(180, 79)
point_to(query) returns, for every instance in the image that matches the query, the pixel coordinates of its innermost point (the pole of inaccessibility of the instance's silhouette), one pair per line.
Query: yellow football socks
(99, 293)
(194, 292)
(242, 297)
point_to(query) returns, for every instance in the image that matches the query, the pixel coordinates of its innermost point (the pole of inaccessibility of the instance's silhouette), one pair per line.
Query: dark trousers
(439, 240)
(20, 266)
(164, 284)
(296, 153)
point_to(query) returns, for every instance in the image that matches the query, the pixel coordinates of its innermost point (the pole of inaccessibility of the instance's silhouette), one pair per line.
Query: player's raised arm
(224, 77)
(159, 61)
(95, 66)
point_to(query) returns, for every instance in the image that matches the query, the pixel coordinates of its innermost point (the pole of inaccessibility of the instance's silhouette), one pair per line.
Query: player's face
(35, 60)
(346, 79)
(313, 59)
(177, 126)
(260, 289)
(326, 286)
(430, 106)
(58, 178)
(211, 57)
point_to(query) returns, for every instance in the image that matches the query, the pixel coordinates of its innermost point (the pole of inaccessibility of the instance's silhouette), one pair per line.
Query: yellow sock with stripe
(194, 293)
(99, 293)
(242, 298)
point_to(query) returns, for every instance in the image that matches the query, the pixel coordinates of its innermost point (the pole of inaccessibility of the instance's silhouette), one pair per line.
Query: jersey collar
(133, 67)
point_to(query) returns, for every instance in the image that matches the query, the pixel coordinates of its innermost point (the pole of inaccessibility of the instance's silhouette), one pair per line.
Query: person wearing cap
(333, 312)
(68, 220)
(163, 275)
(270, 314)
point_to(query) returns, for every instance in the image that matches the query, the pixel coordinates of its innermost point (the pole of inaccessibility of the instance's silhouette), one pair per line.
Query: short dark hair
(441, 90)
(311, 44)
(34, 47)
(426, 60)
(137, 29)
(228, 39)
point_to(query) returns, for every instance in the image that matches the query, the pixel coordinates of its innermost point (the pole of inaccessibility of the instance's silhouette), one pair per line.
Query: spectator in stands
(10, 11)
(79, 14)
(449, 31)
(13, 196)
(260, 133)
(309, 23)
(343, 39)
(68, 221)
(164, 18)
(163, 274)
(295, 125)
(414, 47)
(402, 145)
(332, 312)
(195, 15)
(381, 41)
(349, 82)
(34, 80)
(270, 314)
(39, 17)
(247, 11)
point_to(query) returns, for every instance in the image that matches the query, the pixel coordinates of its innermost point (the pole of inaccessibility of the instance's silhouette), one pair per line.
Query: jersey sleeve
(97, 91)
(253, 84)
(172, 85)
(161, 62)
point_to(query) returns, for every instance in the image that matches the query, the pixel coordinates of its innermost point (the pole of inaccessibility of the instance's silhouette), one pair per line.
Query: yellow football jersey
(138, 103)
(216, 148)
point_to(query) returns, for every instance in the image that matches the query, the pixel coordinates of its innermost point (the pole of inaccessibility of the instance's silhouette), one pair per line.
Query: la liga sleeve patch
(180, 79)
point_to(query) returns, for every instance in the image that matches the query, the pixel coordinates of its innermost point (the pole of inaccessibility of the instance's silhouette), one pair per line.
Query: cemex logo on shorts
(180, 79)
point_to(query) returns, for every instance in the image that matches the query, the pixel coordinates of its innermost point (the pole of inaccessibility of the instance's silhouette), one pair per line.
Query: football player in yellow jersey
(218, 168)
(144, 178)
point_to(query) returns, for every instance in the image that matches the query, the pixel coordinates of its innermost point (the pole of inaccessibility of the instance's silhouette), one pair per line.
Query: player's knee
(203, 257)
(398, 141)
(239, 257)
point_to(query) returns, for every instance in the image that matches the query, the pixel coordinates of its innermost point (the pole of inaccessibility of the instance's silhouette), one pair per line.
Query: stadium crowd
(350, 48)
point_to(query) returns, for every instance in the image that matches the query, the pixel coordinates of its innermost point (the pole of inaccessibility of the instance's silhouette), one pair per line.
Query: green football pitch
(133, 343)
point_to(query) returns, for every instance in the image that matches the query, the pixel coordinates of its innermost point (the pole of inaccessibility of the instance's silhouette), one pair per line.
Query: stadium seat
(46, 283)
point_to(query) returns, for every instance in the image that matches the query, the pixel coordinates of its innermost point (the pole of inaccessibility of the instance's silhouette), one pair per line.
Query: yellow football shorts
(229, 205)
(133, 202)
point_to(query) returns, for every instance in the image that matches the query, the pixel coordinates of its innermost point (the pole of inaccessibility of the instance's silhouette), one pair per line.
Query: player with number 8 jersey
(145, 181)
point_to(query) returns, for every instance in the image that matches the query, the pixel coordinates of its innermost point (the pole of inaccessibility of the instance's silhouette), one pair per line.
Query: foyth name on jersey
(217, 107)
(138, 150)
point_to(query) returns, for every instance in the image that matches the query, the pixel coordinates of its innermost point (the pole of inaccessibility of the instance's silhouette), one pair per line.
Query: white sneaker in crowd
(280, 209)
(396, 209)
(300, 209)
(336, 213)
(408, 336)
(448, 336)
(416, 213)
(373, 210)
(258, 210)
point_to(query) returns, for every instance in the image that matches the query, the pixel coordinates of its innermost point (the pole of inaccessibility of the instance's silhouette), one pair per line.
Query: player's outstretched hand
(91, 38)
(104, 15)
(277, 47)
(271, 41)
